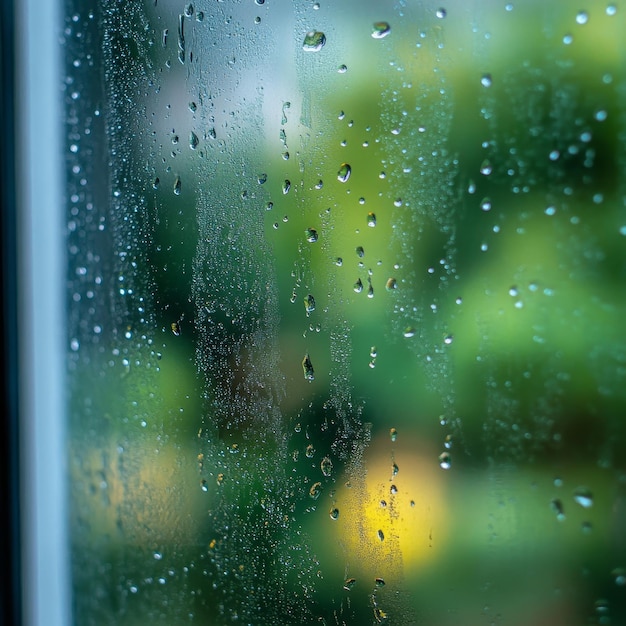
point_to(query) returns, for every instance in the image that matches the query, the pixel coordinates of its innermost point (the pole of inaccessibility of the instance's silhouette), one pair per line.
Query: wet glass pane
(345, 293)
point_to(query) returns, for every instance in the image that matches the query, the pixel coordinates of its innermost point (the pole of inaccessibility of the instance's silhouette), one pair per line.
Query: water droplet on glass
(203, 485)
(311, 235)
(310, 451)
(309, 304)
(315, 490)
(409, 332)
(600, 115)
(326, 466)
(314, 41)
(177, 186)
(393, 434)
(286, 186)
(445, 461)
(379, 582)
(486, 168)
(485, 80)
(441, 13)
(584, 497)
(360, 252)
(334, 514)
(557, 506)
(358, 286)
(349, 583)
(338, 261)
(262, 179)
(380, 30)
(582, 17)
(611, 9)
(619, 575)
(193, 140)
(344, 173)
(307, 368)
(394, 470)
(342, 69)
(381, 535)
(371, 220)
(370, 289)
(448, 339)
(175, 328)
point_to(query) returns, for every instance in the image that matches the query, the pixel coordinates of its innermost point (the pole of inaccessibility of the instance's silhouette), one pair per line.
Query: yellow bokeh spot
(393, 515)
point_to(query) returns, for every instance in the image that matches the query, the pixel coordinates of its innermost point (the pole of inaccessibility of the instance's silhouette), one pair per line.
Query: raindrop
(441, 13)
(380, 30)
(445, 461)
(286, 186)
(379, 582)
(338, 261)
(262, 179)
(485, 205)
(360, 252)
(584, 497)
(393, 490)
(370, 289)
(309, 304)
(601, 115)
(394, 470)
(611, 9)
(310, 451)
(409, 332)
(193, 140)
(334, 514)
(373, 352)
(203, 485)
(156, 183)
(381, 535)
(582, 17)
(349, 583)
(485, 80)
(344, 173)
(175, 327)
(307, 368)
(371, 219)
(315, 490)
(557, 507)
(358, 286)
(393, 434)
(342, 69)
(486, 168)
(619, 574)
(177, 186)
(311, 235)
(314, 41)
(326, 466)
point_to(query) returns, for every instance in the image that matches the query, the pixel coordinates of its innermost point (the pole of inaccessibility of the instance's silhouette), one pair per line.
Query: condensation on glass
(345, 293)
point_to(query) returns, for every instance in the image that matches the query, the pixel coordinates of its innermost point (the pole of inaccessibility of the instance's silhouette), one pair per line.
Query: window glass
(345, 312)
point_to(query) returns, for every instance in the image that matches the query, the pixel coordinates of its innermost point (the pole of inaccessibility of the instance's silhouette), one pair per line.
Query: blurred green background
(457, 457)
